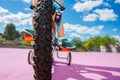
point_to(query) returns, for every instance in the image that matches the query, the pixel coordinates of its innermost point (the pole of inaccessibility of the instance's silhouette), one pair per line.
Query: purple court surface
(84, 66)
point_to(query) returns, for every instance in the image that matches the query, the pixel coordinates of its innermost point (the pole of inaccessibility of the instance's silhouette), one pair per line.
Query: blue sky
(81, 18)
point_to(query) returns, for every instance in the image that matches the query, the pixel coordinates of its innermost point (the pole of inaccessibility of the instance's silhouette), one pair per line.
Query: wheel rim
(69, 58)
(30, 57)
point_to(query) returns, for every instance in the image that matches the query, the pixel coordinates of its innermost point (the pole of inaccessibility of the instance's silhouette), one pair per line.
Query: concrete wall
(111, 48)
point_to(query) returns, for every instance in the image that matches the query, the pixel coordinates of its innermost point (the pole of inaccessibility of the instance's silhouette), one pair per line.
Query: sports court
(85, 66)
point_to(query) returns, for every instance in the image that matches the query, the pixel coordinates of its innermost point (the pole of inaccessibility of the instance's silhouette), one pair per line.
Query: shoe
(67, 44)
(62, 8)
(27, 35)
(27, 32)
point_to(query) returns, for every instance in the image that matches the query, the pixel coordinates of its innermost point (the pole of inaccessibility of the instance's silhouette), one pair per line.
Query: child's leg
(35, 2)
(61, 32)
(54, 27)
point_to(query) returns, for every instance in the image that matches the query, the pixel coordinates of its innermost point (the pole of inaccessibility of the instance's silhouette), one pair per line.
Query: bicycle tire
(69, 58)
(29, 57)
(43, 40)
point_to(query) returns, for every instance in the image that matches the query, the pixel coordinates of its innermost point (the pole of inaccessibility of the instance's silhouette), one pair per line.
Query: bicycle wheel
(69, 58)
(30, 58)
(43, 40)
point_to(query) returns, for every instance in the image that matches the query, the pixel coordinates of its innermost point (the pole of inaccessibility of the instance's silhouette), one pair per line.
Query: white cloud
(117, 1)
(27, 9)
(19, 19)
(115, 29)
(87, 5)
(90, 17)
(83, 29)
(3, 10)
(106, 14)
(76, 35)
(95, 30)
(70, 27)
(101, 14)
(106, 4)
(100, 27)
(27, 1)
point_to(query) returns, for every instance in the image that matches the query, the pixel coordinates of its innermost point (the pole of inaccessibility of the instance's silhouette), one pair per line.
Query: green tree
(107, 41)
(88, 44)
(77, 42)
(95, 42)
(10, 32)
